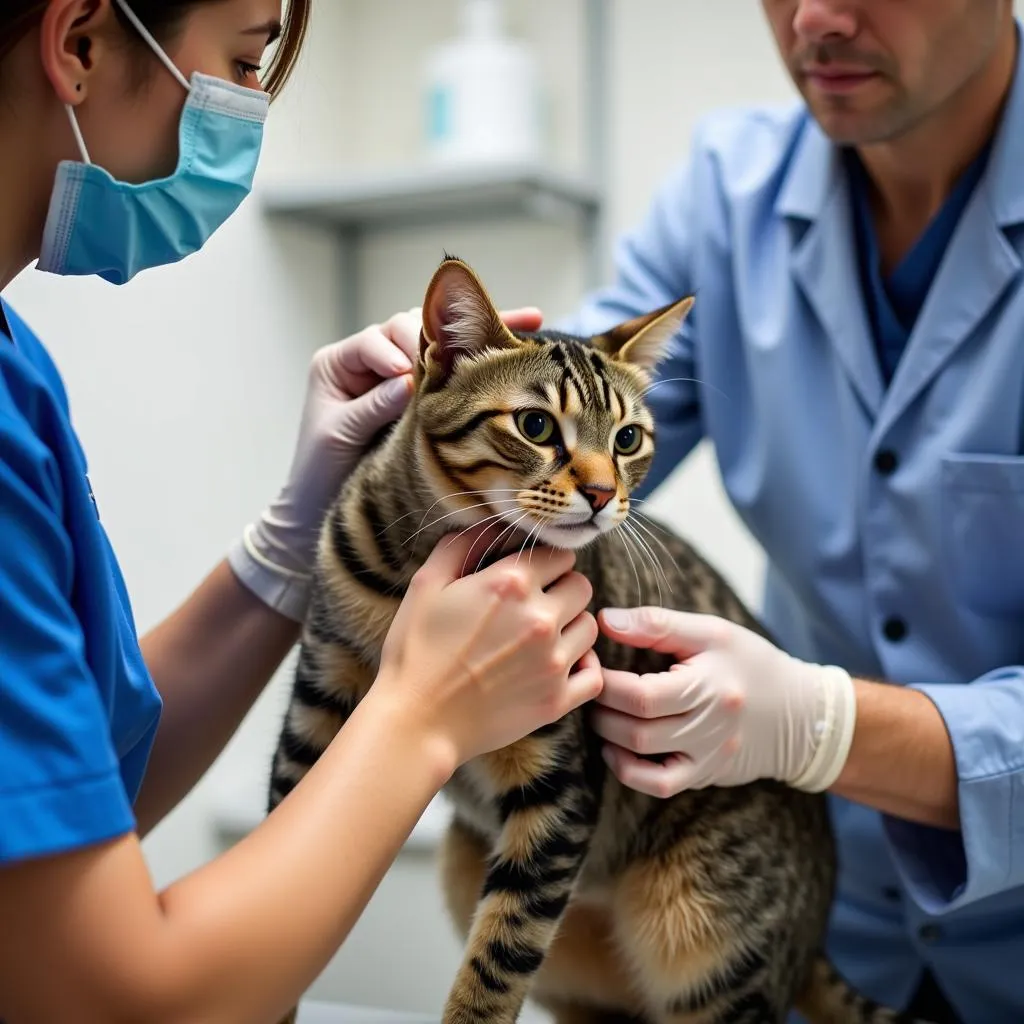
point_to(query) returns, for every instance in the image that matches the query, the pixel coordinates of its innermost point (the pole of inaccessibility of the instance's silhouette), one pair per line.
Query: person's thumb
(382, 404)
(660, 629)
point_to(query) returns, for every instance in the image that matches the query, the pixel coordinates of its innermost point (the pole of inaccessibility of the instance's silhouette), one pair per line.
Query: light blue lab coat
(892, 518)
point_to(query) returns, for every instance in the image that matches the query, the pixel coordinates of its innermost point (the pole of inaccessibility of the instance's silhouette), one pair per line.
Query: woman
(100, 736)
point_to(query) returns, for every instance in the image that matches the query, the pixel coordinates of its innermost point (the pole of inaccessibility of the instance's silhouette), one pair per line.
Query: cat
(599, 903)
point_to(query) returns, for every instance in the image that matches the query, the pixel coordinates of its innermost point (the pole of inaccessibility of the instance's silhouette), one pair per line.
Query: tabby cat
(598, 902)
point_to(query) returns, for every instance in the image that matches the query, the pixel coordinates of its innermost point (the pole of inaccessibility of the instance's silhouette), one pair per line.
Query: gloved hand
(356, 386)
(733, 709)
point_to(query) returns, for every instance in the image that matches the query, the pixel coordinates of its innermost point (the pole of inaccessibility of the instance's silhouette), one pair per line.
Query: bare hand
(483, 660)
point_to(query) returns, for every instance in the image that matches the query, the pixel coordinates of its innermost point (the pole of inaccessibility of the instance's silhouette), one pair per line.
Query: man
(859, 338)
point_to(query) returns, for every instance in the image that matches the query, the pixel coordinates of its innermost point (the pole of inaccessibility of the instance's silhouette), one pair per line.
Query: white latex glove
(356, 387)
(735, 708)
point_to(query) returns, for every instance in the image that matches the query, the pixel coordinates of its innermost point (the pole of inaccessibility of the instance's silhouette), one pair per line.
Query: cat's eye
(536, 426)
(628, 440)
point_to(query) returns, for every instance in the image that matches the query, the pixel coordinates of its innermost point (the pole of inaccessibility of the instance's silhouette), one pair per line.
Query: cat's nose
(597, 496)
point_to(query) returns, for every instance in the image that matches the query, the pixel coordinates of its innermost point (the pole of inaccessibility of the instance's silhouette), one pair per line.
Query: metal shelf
(352, 207)
(428, 195)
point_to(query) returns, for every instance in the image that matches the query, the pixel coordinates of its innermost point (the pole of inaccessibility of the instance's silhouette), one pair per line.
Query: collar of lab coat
(977, 271)
(816, 171)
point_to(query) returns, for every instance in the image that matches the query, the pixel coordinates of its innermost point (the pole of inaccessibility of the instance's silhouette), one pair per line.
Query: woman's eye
(535, 426)
(245, 69)
(628, 440)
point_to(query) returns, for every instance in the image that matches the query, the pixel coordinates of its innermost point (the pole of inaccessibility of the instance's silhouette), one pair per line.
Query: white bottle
(483, 96)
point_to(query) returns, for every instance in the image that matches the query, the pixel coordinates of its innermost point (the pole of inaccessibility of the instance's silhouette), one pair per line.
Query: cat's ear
(459, 320)
(644, 340)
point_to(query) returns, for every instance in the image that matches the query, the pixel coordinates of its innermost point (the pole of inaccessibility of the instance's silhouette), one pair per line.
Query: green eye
(628, 440)
(538, 427)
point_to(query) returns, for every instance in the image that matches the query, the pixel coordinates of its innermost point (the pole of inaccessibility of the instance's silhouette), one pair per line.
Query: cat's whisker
(497, 540)
(499, 516)
(487, 519)
(426, 511)
(683, 380)
(629, 555)
(533, 546)
(661, 569)
(659, 572)
(654, 560)
(536, 529)
(490, 519)
(668, 554)
(441, 519)
(535, 536)
(650, 533)
(455, 494)
(455, 512)
(628, 536)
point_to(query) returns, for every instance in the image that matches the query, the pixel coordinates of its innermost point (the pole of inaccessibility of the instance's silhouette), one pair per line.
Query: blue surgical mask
(98, 225)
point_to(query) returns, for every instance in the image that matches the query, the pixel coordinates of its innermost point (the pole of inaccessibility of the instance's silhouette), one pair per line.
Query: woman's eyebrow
(271, 29)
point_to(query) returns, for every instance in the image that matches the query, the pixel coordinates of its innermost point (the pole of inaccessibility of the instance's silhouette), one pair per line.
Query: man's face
(872, 70)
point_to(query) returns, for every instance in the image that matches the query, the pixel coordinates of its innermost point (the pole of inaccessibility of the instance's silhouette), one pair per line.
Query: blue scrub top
(893, 301)
(78, 709)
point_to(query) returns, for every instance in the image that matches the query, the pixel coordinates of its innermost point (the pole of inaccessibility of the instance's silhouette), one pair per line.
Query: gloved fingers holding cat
(734, 708)
(356, 387)
(485, 658)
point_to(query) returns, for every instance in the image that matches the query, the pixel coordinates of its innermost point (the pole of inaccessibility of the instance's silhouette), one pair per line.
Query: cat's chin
(573, 536)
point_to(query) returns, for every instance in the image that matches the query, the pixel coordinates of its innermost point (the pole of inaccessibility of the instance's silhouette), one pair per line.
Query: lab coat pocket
(983, 530)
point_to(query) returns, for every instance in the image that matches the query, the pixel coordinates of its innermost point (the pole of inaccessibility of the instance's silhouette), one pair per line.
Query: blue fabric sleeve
(653, 267)
(60, 785)
(944, 870)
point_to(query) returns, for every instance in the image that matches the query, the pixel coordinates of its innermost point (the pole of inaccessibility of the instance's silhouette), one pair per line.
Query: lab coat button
(886, 462)
(895, 629)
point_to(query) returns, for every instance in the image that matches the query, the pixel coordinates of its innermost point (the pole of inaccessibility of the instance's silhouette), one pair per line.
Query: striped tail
(830, 999)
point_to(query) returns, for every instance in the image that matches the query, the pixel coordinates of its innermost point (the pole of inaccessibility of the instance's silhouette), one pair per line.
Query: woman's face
(127, 102)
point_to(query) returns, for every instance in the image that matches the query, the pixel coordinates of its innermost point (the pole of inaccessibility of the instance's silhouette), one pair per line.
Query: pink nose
(597, 496)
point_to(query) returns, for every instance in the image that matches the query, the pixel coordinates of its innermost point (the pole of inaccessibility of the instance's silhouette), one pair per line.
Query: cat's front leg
(548, 815)
(330, 679)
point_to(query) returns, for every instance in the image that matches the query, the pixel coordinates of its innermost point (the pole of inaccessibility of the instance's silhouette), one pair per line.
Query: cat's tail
(830, 999)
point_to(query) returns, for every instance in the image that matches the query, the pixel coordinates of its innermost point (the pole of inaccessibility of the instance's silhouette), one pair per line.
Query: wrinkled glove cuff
(833, 730)
(284, 590)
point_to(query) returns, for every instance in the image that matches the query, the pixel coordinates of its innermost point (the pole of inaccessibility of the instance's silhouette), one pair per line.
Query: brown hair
(162, 17)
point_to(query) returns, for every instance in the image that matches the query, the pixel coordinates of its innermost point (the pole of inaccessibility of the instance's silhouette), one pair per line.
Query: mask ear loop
(153, 44)
(77, 133)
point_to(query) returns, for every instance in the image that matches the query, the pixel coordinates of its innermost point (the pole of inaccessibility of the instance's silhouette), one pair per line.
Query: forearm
(901, 760)
(210, 660)
(241, 938)
(287, 896)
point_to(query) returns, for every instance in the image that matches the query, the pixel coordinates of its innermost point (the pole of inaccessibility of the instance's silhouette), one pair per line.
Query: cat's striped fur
(601, 903)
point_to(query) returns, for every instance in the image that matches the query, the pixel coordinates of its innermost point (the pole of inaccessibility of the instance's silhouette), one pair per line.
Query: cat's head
(545, 433)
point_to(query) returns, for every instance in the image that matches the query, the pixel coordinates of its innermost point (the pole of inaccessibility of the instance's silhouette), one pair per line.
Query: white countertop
(325, 1013)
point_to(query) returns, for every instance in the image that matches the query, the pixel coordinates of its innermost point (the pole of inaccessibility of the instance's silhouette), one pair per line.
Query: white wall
(186, 384)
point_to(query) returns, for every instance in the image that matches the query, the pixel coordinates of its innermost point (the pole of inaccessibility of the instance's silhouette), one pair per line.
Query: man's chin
(852, 127)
